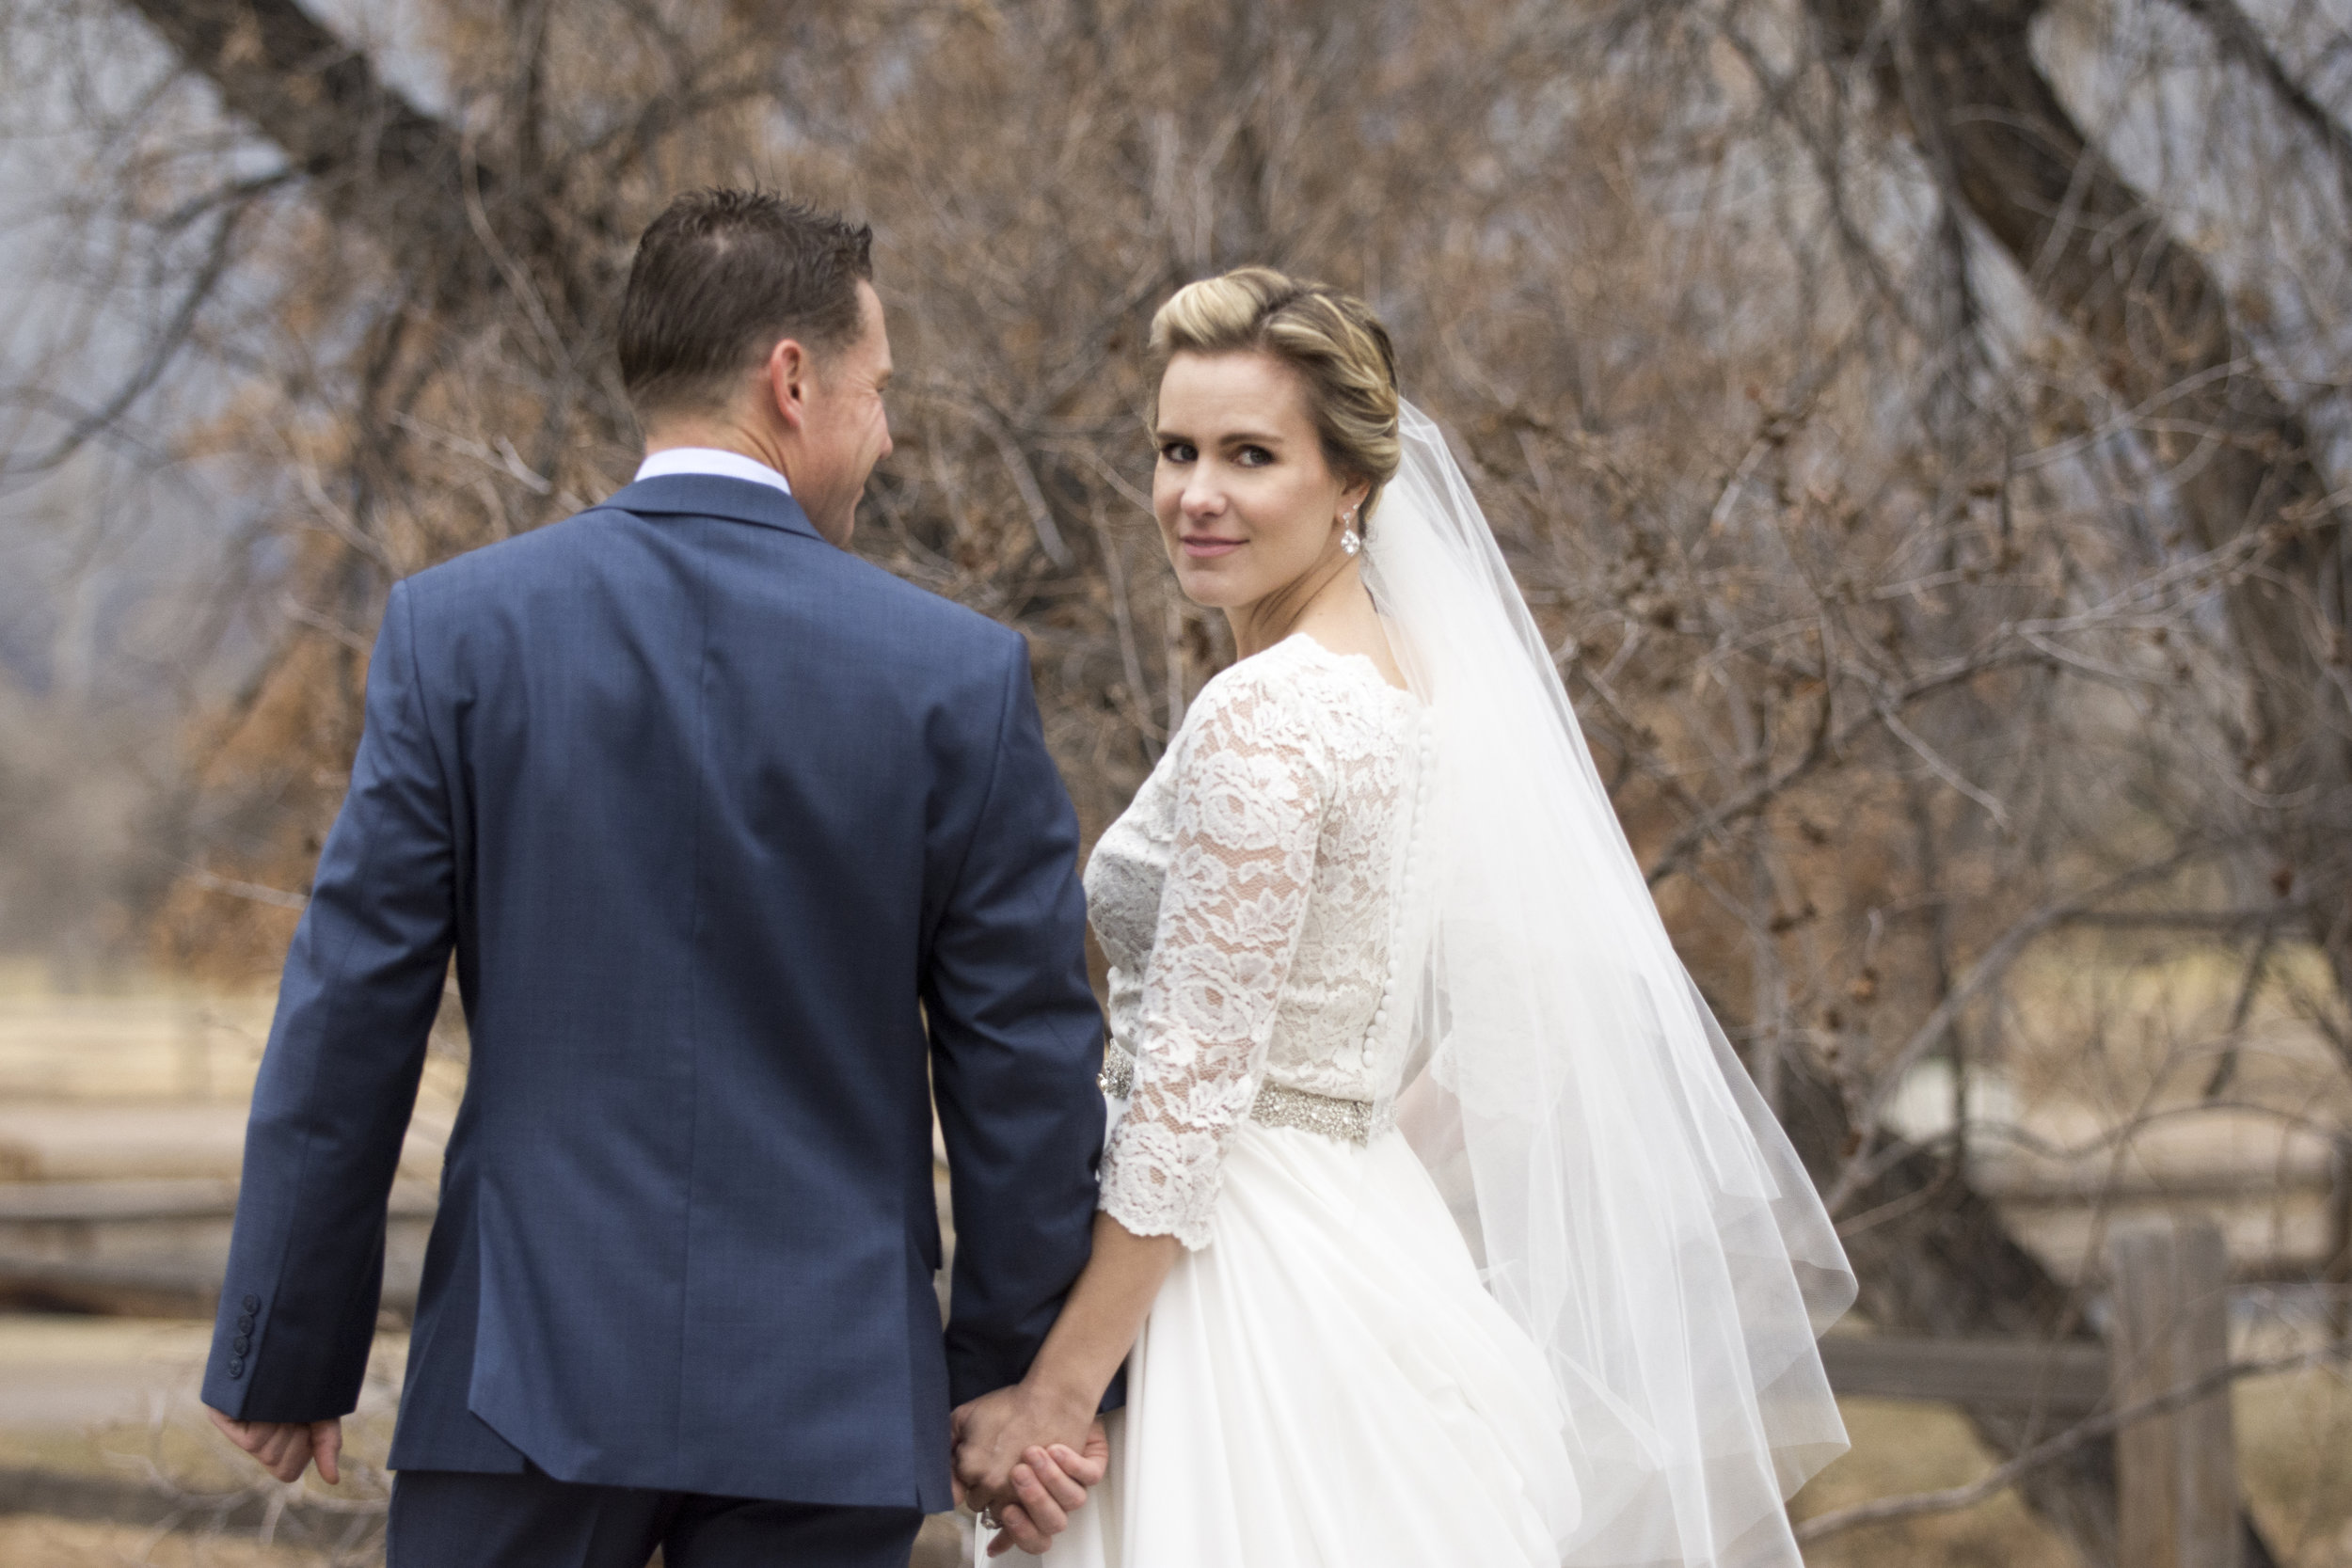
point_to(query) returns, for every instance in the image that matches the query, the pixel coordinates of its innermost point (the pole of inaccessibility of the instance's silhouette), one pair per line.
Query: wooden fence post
(2176, 1473)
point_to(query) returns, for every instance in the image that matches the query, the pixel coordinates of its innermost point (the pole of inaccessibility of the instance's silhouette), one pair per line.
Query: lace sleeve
(1250, 791)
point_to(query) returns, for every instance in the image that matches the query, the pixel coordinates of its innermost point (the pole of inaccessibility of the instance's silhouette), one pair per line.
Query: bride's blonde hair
(1332, 339)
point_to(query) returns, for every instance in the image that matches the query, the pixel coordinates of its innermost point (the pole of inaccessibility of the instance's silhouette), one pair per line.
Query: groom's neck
(723, 435)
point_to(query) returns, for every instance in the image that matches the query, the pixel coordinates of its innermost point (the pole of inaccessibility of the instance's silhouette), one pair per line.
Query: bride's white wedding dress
(1335, 900)
(1322, 1379)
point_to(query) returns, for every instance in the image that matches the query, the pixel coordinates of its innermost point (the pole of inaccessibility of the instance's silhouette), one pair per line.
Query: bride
(1438, 1222)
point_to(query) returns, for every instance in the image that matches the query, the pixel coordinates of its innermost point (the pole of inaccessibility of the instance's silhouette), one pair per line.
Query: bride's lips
(1200, 546)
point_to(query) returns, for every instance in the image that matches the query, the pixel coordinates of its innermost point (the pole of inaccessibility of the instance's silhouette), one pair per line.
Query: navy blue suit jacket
(746, 850)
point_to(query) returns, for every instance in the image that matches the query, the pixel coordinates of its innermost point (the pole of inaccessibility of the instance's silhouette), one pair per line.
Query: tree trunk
(2238, 462)
(1961, 76)
(323, 104)
(464, 233)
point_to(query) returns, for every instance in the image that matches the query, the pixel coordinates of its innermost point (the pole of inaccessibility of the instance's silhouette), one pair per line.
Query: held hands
(286, 1448)
(1028, 1454)
(1016, 1461)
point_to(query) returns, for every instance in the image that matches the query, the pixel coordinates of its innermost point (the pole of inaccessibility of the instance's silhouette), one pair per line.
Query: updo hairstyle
(1338, 347)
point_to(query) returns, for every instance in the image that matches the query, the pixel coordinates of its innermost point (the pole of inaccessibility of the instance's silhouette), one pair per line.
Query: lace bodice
(1247, 901)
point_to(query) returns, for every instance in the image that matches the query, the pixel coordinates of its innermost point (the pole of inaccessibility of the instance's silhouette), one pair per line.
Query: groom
(747, 853)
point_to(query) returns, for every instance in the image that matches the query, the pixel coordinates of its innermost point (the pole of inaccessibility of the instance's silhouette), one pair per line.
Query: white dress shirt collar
(712, 460)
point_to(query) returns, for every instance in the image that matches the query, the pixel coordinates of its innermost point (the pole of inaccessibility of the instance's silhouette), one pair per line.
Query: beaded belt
(1349, 1120)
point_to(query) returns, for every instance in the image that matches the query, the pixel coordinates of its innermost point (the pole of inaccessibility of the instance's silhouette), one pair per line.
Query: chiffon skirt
(1327, 1384)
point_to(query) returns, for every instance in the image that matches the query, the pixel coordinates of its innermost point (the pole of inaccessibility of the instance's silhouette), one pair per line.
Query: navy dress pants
(455, 1519)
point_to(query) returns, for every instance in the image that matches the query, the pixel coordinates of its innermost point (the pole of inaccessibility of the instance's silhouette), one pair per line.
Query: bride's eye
(1177, 452)
(1254, 457)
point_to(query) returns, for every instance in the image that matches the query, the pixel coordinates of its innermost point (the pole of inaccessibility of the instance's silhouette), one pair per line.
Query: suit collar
(714, 496)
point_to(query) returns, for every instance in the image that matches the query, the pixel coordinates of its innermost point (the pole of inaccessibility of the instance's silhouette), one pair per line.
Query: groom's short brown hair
(719, 279)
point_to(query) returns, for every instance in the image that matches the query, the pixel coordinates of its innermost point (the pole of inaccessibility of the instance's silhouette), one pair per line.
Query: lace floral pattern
(1245, 902)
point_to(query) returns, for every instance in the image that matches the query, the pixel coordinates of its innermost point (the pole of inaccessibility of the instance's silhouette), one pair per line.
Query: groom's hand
(994, 1432)
(286, 1448)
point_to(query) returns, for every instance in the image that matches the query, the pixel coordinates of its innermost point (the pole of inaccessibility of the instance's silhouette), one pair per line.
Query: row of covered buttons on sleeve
(243, 1341)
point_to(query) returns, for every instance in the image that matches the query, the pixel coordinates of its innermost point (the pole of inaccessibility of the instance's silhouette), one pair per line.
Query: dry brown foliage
(1934, 529)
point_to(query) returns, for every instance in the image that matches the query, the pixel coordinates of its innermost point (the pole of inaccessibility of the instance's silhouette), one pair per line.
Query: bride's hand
(1052, 1483)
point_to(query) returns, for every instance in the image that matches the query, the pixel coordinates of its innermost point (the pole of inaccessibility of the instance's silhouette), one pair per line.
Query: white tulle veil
(1621, 1181)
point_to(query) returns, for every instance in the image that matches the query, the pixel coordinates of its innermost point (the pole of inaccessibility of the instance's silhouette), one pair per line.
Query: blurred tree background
(1920, 424)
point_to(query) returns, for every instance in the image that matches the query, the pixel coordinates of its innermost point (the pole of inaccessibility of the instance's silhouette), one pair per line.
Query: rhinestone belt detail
(1348, 1120)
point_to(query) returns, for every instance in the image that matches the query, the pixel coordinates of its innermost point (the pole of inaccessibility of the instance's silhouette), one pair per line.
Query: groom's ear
(786, 377)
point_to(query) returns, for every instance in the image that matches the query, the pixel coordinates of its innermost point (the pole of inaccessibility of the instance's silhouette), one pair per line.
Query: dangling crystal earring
(1350, 540)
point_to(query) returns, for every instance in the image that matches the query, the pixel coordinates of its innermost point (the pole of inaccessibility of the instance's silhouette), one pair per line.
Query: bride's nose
(1200, 499)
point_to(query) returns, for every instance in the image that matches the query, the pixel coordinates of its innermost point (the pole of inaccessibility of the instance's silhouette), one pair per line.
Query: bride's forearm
(1105, 1311)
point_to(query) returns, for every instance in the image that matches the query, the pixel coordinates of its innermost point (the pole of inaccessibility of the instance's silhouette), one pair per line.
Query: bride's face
(1246, 503)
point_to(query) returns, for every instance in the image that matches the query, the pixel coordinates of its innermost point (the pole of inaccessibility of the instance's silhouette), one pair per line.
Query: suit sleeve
(338, 1081)
(1016, 1045)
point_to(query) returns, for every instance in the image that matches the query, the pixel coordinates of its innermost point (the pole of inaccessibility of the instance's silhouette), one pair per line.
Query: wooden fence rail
(2066, 1380)
(157, 1247)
